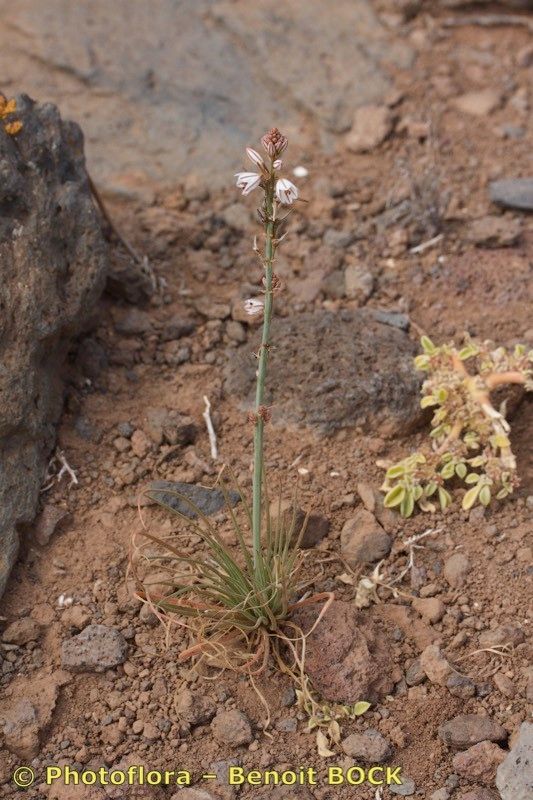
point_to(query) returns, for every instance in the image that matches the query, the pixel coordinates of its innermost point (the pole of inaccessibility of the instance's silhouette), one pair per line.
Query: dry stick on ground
(210, 429)
(488, 21)
(141, 260)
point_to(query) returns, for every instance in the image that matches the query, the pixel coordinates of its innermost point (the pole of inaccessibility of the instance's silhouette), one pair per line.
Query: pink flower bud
(255, 158)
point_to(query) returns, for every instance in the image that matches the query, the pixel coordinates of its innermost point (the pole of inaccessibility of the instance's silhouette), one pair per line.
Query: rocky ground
(87, 675)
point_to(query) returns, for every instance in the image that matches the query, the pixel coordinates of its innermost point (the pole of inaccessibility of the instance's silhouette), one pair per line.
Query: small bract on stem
(470, 437)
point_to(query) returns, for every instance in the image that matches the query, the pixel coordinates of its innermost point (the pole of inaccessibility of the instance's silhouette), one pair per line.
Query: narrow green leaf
(428, 345)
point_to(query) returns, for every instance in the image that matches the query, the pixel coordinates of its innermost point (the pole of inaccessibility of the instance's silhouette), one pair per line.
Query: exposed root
(501, 650)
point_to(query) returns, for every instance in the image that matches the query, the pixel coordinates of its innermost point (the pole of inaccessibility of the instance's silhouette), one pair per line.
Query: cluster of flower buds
(274, 143)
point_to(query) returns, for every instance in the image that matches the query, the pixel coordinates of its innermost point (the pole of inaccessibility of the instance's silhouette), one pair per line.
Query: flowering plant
(470, 437)
(237, 604)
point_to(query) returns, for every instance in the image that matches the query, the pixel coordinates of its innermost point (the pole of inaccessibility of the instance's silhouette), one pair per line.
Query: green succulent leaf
(428, 401)
(394, 497)
(438, 432)
(484, 495)
(418, 492)
(422, 362)
(470, 497)
(428, 345)
(360, 708)
(448, 471)
(468, 351)
(396, 471)
(460, 470)
(407, 504)
(445, 498)
(472, 478)
(500, 440)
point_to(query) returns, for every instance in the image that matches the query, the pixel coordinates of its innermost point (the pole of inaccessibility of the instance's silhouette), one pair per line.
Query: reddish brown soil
(446, 290)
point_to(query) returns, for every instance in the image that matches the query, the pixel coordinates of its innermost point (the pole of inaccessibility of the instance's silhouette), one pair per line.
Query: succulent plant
(470, 438)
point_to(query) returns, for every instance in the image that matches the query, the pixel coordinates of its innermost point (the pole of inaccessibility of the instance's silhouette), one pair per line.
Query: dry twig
(210, 429)
(488, 21)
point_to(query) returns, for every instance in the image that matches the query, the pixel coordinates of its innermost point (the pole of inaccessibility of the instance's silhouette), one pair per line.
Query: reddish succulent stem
(500, 378)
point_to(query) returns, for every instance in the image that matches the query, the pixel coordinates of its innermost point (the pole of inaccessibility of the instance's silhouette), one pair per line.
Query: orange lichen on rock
(8, 107)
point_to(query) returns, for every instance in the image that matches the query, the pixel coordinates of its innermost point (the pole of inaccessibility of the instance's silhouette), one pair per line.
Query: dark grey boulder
(53, 261)
(331, 371)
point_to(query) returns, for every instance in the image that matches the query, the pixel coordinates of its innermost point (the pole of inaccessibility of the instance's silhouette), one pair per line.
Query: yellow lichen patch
(12, 128)
(8, 107)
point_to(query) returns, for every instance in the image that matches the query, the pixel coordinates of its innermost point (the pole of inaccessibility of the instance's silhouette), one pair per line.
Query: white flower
(278, 163)
(286, 191)
(248, 181)
(300, 172)
(253, 306)
(255, 158)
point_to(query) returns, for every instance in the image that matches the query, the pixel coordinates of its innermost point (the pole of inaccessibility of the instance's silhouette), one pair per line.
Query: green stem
(261, 376)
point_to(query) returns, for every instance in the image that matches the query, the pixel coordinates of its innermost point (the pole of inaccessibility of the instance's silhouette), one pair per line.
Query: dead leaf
(323, 745)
